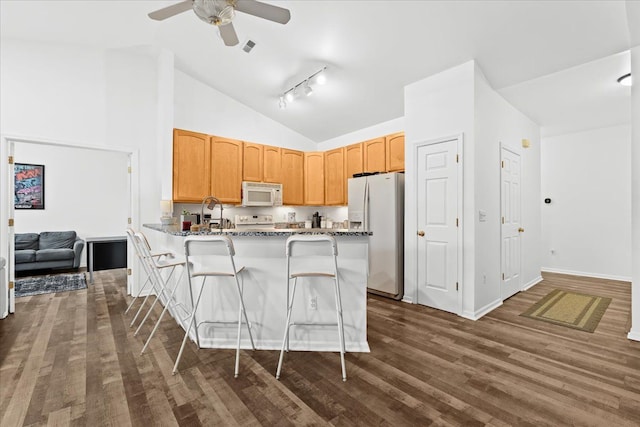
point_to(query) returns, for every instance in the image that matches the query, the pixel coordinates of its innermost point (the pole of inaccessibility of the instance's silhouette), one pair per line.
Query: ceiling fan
(221, 12)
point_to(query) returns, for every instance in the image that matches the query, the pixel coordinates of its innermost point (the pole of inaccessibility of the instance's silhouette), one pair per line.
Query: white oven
(261, 194)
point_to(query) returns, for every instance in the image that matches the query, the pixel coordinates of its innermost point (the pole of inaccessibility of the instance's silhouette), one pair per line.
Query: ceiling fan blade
(263, 10)
(169, 11)
(228, 34)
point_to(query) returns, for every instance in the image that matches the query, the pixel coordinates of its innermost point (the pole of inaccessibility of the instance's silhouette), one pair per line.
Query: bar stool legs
(323, 245)
(213, 247)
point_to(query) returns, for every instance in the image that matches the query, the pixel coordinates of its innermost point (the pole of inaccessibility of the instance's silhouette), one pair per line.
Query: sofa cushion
(25, 255)
(26, 241)
(54, 255)
(57, 239)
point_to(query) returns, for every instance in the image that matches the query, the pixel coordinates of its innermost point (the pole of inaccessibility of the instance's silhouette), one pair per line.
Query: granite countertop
(176, 231)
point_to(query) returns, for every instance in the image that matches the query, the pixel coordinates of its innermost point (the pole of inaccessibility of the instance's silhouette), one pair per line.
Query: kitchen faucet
(212, 201)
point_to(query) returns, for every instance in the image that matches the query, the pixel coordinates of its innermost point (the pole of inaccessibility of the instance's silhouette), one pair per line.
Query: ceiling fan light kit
(290, 94)
(221, 13)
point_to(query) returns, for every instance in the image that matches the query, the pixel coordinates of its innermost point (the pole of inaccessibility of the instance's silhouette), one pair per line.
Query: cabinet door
(334, 177)
(226, 169)
(395, 152)
(252, 162)
(272, 169)
(374, 155)
(191, 167)
(353, 160)
(314, 178)
(292, 177)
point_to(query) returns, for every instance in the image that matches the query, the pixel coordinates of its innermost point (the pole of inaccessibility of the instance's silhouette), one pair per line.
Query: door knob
(421, 233)
(520, 230)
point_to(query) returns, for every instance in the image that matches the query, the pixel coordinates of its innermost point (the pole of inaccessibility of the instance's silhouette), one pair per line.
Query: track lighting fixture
(290, 94)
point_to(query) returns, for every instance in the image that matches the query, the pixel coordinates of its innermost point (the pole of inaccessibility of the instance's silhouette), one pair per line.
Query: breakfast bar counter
(262, 253)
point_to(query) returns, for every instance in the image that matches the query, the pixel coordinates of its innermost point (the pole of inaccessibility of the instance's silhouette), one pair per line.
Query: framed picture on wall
(29, 186)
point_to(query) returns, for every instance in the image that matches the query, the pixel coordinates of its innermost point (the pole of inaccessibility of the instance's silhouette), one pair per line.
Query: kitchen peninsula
(262, 253)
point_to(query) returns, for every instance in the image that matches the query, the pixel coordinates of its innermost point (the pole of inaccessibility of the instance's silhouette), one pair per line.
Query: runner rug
(573, 310)
(37, 285)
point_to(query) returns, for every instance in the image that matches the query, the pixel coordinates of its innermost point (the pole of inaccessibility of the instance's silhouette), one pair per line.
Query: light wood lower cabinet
(292, 177)
(314, 178)
(191, 166)
(226, 169)
(334, 177)
(395, 152)
(252, 163)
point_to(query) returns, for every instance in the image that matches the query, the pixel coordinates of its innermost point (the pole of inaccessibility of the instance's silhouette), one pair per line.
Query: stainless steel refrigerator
(376, 204)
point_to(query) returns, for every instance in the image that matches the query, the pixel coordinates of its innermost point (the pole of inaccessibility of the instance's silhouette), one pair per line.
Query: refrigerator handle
(365, 220)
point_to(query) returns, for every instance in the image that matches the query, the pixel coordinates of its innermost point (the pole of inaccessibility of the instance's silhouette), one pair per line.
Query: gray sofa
(47, 250)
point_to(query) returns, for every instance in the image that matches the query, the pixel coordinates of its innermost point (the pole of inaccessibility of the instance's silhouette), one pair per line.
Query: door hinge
(10, 285)
(456, 222)
(128, 220)
(457, 158)
(129, 169)
(503, 220)
(502, 164)
(10, 160)
(502, 276)
(10, 222)
(128, 272)
(456, 286)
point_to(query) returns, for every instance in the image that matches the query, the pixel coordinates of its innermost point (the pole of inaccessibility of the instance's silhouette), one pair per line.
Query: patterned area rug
(573, 310)
(50, 283)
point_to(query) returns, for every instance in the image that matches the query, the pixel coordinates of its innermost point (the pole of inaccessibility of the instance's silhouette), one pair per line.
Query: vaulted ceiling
(557, 61)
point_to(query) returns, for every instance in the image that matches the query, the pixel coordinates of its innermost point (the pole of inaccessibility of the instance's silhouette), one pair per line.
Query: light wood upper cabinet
(374, 155)
(353, 160)
(191, 166)
(292, 177)
(395, 152)
(314, 178)
(334, 177)
(272, 170)
(252, 162)
(226, 169)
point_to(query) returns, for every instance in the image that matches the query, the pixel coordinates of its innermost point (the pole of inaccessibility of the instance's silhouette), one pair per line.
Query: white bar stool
(154, 266)
(313, 248)
(216, 255)
(138, 252)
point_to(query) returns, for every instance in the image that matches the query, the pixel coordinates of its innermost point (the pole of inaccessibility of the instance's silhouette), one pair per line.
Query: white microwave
(261, 194)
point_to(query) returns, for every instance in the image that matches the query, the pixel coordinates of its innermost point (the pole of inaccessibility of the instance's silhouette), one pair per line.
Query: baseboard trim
(586, 274)
(407, 299)
(475, 315)
(634, 335)
(532, 283)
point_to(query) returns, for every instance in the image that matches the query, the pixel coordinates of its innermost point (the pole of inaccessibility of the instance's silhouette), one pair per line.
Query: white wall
(371, 132)
(460, 101)
(200, 108)
(635, 196)
(85, 191)
(436, 107)
(496, 122)
(587, 176)
(52, 91)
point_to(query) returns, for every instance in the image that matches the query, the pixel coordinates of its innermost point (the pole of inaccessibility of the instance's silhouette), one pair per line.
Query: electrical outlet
(313, 303)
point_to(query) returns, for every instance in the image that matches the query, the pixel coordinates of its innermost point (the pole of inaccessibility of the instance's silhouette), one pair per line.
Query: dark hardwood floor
(71, 359)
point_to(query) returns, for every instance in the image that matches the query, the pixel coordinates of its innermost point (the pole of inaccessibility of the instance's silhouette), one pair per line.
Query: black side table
(106, 253)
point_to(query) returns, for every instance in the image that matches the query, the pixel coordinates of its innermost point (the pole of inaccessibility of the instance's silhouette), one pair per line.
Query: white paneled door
(437, 232)
(511, 218)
